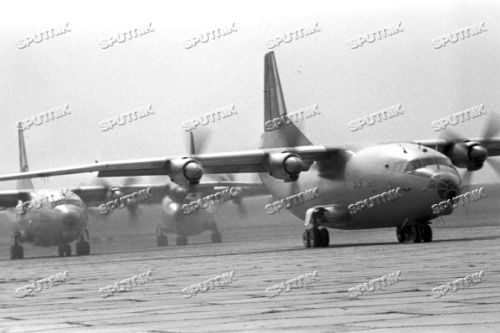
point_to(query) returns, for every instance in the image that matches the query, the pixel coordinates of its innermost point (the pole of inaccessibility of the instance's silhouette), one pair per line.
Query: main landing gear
(64, 250)
(83, 246)
(316, 236)
(16, 249)
(414, 233)
(181, 240)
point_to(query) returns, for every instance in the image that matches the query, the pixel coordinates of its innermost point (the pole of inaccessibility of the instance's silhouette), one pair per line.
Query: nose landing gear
(16, 249)
(216, 235)
(161, 238)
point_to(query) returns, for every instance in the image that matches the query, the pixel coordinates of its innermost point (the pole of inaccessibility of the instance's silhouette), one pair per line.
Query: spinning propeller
(472, 155)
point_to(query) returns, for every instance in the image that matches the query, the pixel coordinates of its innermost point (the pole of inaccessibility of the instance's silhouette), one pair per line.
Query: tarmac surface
(262, 257)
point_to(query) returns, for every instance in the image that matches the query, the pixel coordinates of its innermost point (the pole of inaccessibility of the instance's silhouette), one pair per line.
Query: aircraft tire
(400, 235)
(82, 248)
(306, 239)
(67, 250)
(325, 237)
(16, 252)
(181, 240)
(411, 234)
(426, 233)
(64, 250)
(161, 240)
(315, 236)
(216, 237)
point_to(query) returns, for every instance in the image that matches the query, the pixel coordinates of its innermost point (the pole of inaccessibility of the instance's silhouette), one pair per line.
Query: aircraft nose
(71, 215)
(445, 184)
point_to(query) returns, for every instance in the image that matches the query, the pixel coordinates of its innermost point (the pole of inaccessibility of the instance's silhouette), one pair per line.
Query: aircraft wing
(97, 195)
(441, 145)
(251, 161)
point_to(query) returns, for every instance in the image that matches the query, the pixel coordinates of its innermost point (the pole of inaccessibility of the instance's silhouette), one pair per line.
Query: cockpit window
(423, 162)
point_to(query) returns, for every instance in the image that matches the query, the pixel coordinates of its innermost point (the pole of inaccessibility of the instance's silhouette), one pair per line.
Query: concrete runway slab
(261, 258)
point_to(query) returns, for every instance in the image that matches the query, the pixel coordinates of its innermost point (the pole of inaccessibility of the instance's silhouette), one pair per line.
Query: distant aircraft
(50, 217)
(353, 186)
(179, 217)
(178, 203)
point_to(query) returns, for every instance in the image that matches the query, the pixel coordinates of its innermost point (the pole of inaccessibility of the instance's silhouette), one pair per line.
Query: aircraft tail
(23, 163)
(276, 133)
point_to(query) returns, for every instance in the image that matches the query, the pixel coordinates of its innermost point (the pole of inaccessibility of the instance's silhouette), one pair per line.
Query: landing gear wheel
(216, 237)
(82, 248)
(181, 240)
(400, 235)
(426, 232)
(306, 239)
(411, 234)
(418, 233)
(16, 252)
(161, 240)
(16, 249)
(325, 237)
(315, 236)
(64, 250)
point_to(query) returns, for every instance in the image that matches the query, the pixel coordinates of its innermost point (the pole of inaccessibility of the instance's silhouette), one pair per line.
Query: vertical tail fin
(23, 163)
(286, 135)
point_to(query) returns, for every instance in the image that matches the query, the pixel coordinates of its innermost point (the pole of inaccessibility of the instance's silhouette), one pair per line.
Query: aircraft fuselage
(52, 218)
(423, 175)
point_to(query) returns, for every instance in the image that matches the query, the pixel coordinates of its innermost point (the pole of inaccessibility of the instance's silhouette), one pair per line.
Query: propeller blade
(492, 126)
(495, 165)
(467, 178)
(452, 136)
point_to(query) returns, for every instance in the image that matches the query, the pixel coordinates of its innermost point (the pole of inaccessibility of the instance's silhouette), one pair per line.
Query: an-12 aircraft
(350, 186)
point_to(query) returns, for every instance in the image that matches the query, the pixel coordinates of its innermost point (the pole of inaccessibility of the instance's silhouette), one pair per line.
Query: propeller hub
(293, 165)
(478, 154)
(193, 171)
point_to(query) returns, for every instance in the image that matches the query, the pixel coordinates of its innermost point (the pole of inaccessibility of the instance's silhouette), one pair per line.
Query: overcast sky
(181, 83)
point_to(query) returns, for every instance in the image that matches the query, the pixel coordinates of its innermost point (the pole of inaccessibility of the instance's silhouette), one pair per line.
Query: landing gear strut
(414, 233)
(83, 246)
(16, 249)
(216, 236)
(315, 236)
(161, 238)
(64, 250)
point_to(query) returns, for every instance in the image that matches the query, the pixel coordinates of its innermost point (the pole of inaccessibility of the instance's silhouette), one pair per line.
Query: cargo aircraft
(190, 209)
(47, 217)
(347, 186)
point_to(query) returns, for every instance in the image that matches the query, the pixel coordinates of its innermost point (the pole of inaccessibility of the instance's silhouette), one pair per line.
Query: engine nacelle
(185, 170)
(114, 193)
(470, 155)
(286, 166)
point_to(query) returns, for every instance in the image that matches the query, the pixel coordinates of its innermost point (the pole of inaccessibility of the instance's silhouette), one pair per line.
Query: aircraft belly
(192, 224)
